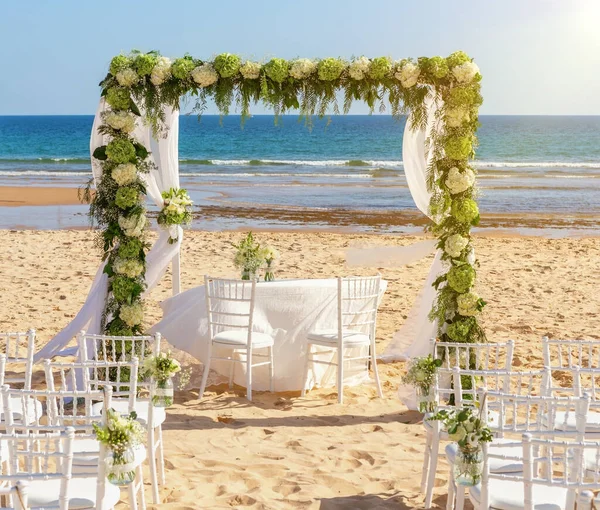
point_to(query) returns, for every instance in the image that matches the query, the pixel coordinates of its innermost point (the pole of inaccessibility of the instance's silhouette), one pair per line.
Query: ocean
(544, 165)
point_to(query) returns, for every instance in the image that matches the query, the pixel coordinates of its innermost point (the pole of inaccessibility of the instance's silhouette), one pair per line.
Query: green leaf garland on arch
(150, 82)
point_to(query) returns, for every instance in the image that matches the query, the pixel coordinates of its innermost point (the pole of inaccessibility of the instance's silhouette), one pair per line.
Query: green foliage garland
(153, 82)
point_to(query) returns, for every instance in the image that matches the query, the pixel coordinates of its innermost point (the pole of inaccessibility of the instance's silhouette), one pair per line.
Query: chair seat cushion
(496, 465)
(82, 493)
(564, 421)
(330, 337)
(31, 407)
(510, 495)
(141, 408)
(239, 338)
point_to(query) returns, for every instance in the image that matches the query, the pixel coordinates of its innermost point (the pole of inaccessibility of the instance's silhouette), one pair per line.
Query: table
(285, 309)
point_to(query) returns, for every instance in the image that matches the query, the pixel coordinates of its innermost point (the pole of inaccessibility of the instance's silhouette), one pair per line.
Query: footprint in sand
(360, 455)
(238, 500)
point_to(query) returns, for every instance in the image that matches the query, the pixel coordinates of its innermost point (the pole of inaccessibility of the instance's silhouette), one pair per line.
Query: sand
(14, 196)
(283, 451)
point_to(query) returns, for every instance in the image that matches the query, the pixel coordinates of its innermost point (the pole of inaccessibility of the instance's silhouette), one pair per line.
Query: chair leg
(205, 373)
(133, 494)
(271, 370)
(425, 472)
(433, 460)
(142, 495)
(451, 491)
(460, 498)
(249, 376)
(376, 372)
(231, 370)
(161, 457)
(340, 375)
(305, 371)
(152, 462)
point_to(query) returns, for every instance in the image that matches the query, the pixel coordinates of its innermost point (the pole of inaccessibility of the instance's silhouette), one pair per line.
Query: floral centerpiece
(249, 257)
(421, 374)
(121, 435)
(177, 210)
(270, 255)
(468, 430)
(161, 369)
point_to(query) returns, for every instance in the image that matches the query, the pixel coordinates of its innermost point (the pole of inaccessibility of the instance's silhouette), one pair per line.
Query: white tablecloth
(285, 309)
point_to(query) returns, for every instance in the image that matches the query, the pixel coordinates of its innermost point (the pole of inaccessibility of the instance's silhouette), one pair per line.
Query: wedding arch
(134, 147)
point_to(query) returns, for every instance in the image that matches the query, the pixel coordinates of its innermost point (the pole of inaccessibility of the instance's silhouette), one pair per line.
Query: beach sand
(283, 451)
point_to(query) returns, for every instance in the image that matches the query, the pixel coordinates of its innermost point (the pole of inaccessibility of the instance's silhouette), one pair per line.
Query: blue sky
(536, 56)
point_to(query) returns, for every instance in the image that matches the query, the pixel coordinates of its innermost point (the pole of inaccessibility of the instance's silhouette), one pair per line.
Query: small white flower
(250, 70)
(127, 77)
(359, 68)
(205, 75)
(161, 71)
(408, 75)
(302, 68)
(465, 72)
(124, 174)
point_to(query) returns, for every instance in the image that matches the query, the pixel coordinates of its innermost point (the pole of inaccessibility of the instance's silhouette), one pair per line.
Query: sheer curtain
(165, 175)
(412, 340)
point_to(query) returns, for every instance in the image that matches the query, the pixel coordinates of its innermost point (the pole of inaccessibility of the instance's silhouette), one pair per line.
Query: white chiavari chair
(72, 409)
(230, 311)
(518, 414)
(553, 477)
(97, 375)
(357, 302)
(112, 349)
(484, 358)
(19, 349)
(44, 461)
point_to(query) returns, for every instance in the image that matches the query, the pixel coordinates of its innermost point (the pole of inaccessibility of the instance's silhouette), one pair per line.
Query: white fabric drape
(165, 175)
(413, 337)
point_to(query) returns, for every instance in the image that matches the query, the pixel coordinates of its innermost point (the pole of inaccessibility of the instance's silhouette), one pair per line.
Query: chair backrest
(475, 356)
(467, 384)
(27, 411)
(118, 348)
(358, 298)
(47, 456)
(566, 354)
(230, 305)
(19, 349)
(543, 416)
(96, 375)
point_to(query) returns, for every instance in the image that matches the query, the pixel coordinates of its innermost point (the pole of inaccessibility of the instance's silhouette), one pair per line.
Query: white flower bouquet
(121, 435)
(421, 374)
(249, 257)
(161, 369)
(177, 210)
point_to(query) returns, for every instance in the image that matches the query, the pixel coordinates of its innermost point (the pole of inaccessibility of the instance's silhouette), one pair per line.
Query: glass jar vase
(425, 399)
(120, 466)
(162, 392)
(250, 274)
(269, 274)
(468, 466)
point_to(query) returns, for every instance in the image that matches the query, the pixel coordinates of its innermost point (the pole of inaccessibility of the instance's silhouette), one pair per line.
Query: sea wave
(536, 164)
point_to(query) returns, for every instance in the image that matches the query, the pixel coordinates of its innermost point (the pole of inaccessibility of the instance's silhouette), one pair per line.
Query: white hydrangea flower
(408, 75)
(133, 226)
(465, 72)
(132, 314)
(205, 75)
(302, 68)
(359, 68)
(458, 181)
(455, 244)
(131, 268)
(161, 71)
(122, 120)
(456, 117)
(127, 77)
(467, 304)
(124, 174)
(250, 70)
